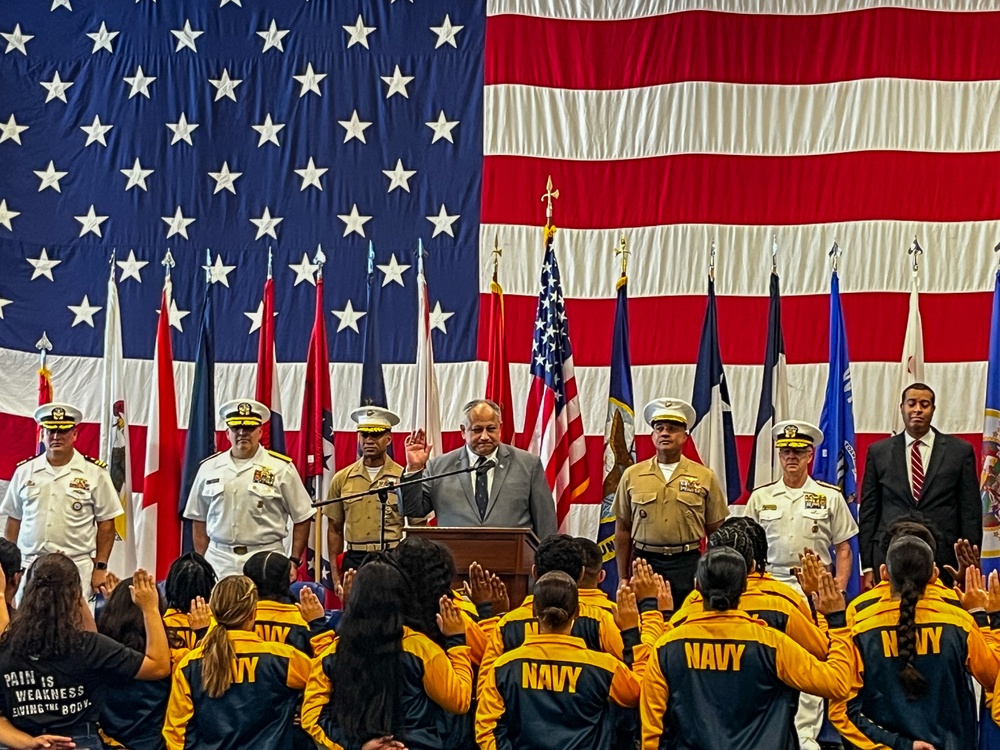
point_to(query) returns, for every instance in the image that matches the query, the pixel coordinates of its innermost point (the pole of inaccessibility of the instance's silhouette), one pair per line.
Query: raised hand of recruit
(144, 592)
(199, 614)
(809, 574)
(478, 587)
(344, 588)
(418, 451)
(975, 595)
(828, 597)
(627, 616)
(111, 582)
(498, 595)
(643, 581)
(449, 618)
(664, 596)
(967, 555)
(309, 605)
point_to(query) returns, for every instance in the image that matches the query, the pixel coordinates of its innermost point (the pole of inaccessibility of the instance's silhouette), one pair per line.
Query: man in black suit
(921, 470)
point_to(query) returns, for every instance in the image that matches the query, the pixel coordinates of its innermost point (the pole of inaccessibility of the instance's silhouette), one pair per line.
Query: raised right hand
(144, 591)
(450, 619)
(199, 614)
(417, 451)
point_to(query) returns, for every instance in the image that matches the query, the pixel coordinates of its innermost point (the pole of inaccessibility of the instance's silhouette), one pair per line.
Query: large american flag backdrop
(239, 125)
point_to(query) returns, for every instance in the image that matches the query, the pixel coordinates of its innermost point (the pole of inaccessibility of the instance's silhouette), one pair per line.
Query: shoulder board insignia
(827, 484)
(210, 457)
(30, 458)
(96, 461)
(769, 484)
(282, 456)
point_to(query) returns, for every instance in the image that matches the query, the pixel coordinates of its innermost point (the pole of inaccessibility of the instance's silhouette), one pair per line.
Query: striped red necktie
(917, 464)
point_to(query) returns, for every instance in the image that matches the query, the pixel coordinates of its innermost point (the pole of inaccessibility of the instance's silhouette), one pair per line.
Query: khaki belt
(371, 546)
(660, 549)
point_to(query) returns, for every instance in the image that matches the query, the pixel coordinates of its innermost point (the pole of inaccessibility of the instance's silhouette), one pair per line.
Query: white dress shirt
(473, 460)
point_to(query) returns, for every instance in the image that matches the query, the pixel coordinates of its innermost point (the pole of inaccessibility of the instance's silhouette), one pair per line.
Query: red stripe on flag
(742, 327)
(726, 47)
(812, 189)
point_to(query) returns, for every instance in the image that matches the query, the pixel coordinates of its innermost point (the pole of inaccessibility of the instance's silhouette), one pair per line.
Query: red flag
(45, 396)
(314, 457)
(498, 380)
(267, 392)
(159, 527)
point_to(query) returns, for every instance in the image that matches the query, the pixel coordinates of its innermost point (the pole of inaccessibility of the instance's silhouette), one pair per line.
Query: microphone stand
(383, 492)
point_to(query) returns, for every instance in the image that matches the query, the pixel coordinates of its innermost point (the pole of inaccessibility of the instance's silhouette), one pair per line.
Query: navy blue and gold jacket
(594, 625)
(553, 692)
(256, 711)
(133, 714)
(283, 623)
(435, 683)
(727, 681)
(949, 647)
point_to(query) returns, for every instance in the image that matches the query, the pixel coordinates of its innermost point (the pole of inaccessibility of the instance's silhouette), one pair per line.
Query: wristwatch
(100, 565)
(296, 562)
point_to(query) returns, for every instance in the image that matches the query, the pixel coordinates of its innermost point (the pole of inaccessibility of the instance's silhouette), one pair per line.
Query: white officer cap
(794, 433)
(374, 419)
(58, 416)
(669, 410)
(244, 412)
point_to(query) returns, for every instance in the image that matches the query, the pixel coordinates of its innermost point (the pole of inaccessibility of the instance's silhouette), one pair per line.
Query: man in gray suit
(513, 492)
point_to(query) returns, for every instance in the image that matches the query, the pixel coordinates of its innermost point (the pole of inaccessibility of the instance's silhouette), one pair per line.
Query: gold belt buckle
(240, 550)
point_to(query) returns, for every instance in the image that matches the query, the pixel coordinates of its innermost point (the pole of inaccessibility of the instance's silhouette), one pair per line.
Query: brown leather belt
(660, 549)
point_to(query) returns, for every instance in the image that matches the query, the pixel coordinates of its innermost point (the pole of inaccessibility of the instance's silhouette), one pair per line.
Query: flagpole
(319, 259)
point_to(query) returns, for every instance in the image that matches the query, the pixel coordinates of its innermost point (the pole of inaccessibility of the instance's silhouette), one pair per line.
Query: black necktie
(482, 489)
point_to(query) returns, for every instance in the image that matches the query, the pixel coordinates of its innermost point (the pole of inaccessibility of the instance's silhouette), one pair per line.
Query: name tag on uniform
(79, 483)
(690, 484)
(768, 506)
(213, 480)
(814, 501)
(263, 475)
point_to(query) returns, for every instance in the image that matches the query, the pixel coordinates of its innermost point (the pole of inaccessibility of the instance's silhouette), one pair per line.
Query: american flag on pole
(553, 427)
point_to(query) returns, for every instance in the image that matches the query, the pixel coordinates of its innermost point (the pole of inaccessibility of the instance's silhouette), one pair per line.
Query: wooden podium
(508, 552)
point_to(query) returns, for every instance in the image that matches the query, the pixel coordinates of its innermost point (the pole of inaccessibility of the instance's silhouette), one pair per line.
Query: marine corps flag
(498, 378)
(314, 457)
(268, 391)
(619, 433)
(773, 405)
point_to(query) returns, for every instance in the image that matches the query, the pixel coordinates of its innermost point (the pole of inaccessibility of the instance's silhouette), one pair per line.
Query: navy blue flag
(989, 732)
(773, 404)
(619, 434)
(836, 460)
(200, 442)
(713, 434)
(143, 126)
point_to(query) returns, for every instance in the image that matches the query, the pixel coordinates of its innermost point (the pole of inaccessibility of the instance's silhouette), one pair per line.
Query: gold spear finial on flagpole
(623, 252)
(547, 198)
(497, 253)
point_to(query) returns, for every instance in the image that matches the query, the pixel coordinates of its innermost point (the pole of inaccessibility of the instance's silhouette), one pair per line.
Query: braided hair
(747, 537)
(721, 578)
(910, 562)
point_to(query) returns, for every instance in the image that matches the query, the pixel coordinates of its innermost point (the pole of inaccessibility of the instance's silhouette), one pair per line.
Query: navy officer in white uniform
(242, 499)
(63, 501)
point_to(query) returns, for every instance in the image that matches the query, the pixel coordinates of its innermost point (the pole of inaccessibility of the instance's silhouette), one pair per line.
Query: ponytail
(234, 601)
(913, 682)
(910, 562)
